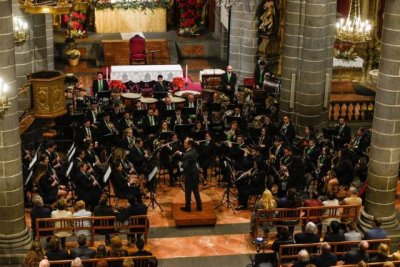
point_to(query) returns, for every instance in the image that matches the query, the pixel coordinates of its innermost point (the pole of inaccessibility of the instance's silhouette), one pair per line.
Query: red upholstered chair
(137, 47)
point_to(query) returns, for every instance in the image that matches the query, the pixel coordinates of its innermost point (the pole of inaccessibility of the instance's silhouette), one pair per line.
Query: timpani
(129, 98)
(149, 101)
(185, 93)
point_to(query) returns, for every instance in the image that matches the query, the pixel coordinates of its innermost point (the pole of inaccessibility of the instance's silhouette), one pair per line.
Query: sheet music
(32, 162)
(70, 149)
(72, 154)
(28, 178)
(107, 175)
(153, 172)
(69, 169)
(180, 166)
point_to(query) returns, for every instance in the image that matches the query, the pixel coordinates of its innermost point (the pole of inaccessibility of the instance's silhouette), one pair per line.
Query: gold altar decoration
(131, 20)
(48, 94)
(55, 7)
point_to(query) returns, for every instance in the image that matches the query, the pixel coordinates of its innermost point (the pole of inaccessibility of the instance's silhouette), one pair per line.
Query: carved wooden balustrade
(351, 106)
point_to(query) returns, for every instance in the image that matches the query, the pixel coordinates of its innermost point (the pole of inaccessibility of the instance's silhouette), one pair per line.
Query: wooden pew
(303, 215)
(289, 253)
(139, 261)
(137, 224)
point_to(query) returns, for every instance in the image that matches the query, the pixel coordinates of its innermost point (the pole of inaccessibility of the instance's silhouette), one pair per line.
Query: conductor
(190, 174)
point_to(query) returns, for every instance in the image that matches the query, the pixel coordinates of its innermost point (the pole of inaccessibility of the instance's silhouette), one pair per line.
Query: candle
(186, 73)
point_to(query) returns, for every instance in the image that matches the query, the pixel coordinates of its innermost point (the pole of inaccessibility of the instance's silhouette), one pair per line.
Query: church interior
(282, 117)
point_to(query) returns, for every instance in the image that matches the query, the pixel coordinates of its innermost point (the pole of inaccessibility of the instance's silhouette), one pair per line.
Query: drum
(207, 94)
(129, 97)
(179, 101)
(186, 92)
(149, 101)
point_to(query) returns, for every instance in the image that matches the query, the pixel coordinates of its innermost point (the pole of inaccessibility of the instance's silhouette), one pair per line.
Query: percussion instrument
(150, 102)
(186, 92)
(176, 99)
(131, 96)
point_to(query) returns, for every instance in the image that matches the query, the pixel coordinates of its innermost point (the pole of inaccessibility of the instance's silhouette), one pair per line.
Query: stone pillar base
(13, 248)
(388, 223)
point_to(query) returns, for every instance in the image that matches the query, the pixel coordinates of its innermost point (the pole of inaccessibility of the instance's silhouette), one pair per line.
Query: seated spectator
(335, 233)
(382, 255)
(331, 201)
(54, 251)
(82, 251)
(44, 263)
(34, 255)
(396, 255)
(82, 212)
(77, 262)
(310, 235)
(388, 264)
(352, 234)
(102, 263)
(101, 251)
(39, 211)
(352, 198)
(153, 262)
(361, 254)
(361, 264)
(292, 201)
(267, 201)
(60, 212)
(326, 258)
(303, 259)
(141, 251)
(103, 210)
(377, 232)
(282, 238)
(116, 250)
(127, 263)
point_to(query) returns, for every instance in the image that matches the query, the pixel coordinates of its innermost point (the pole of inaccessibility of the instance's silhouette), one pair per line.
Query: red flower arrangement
(117, 85)
(75, 21)
(190, 13)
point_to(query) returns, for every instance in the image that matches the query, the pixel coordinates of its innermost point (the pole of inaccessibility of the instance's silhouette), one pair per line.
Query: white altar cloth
(145, 73)
(346, 63)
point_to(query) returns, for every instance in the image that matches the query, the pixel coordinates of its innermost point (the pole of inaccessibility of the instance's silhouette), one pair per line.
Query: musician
(217, 122)
(259, 75)
(116, 113)
(233, 132)
(264, 141)
(191, 101)
(48, 185)
(99, 85)
(139, 106)
(79, 157)
(93, 113)
(161, 85)
(238, 153)
(324, 161)
(87, 133)
(179, 118)
(312, 151)
(50, 152)
(295, 169)
(342, 133)
(89, 154)
(276, 152)
(343, 167)
(169, 159)
(138, 156)
(124, 185)
(309, 134)
(255, 185)
(106, 128)
(125, 122)
(87, 187)
(190, 174)
(150, 123)
(167, 104)
(164, 128)
(229, 80)
(360, 142)
(207, 154)
(205, 119)
(268, 124)
(197, 131)
(287, 130)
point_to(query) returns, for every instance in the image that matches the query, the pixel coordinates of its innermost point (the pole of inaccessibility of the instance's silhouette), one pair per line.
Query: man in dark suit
(287, 130)
(141, 251)
(39, 211)
(229, 80)
(259, 75)
(103, 210)
(82, 251)
(93, 113)
(87, 132)
(138, 157)
(87, 188)
(161, 87)
(99, 85)
(326, 258)
(150, 123)
(190, 174)
(342, 133)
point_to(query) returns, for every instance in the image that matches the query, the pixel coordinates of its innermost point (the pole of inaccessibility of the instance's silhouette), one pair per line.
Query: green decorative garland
(105, 4)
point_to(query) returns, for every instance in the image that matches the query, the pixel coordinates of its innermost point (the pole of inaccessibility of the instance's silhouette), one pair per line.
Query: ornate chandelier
(353, 29)
(21, 33)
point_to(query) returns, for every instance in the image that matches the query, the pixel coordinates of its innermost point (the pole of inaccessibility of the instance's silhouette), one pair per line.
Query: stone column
(315, 64)
(307, 60)
(385, 145)
(39, 42)
(14, 235)
(244, 39)
(49, 41)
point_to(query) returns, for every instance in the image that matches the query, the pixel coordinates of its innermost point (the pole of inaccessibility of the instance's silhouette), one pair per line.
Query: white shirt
(84, 223)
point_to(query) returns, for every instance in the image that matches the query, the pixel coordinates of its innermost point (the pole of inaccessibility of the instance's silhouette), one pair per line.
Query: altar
(130, 20)
(145, 73)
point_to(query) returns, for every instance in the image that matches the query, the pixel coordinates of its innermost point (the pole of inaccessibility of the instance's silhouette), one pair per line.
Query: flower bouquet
(73, 56)
(75, 22)
(117, 86)
(190, 16)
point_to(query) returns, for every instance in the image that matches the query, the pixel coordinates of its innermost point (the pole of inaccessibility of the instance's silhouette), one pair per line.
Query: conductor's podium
(194, 218)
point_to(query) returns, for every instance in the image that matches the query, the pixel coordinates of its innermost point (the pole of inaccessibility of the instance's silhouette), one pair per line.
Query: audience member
(352, 234)
(335, 233)
(310, 235)
(82, 251)
(141, 251)
(303, 259)
(54, 251)
(39, 211)
(102, 263)
(377, 232)
(382, 255)
(101, 251)
(35, 255)
(60, 212)
(361, 254)
(331, 201)
(326, 258)
(396, 255)
(127, 263)
(267, 201)
(103, 210)
(76, 262)
(82, 212)
(282, 238)
(116, 249)
(44, 263)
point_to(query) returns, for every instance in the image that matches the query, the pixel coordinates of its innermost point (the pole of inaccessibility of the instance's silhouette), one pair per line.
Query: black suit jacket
(82, 252)
(103, 211)
(231, 82)
(345, 134)
(95, 86)
(82, 134)
(257, 73)
(146, 125)
(39, 212)
(189, 160)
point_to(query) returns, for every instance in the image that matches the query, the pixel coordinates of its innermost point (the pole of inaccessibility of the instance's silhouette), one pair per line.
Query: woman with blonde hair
(382, 255)
(267, 201)
(116, 250)
(80, 211)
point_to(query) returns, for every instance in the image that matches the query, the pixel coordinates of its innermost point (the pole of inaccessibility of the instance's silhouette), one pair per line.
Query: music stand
(32, 163)
(227, 193)
(165, 135)
(198, 135)
(28, 178)
(182, 130)
(188, 111)
(214, 107)
(107, 175)
(103, 94)
(153, 201)
(230, 119)
(71, 154)
(168, 113)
